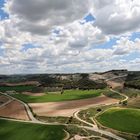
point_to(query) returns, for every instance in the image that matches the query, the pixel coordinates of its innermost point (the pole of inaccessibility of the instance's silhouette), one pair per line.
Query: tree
(99, 109)
(138, 136)
(124, 103)
(62, 91)
(70, 120)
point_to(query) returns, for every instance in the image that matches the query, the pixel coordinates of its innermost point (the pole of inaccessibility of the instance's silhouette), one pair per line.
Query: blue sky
(135, 35)
(108, 44)
(3, 15)
(89, 18)
(100, 41)
(28, 46)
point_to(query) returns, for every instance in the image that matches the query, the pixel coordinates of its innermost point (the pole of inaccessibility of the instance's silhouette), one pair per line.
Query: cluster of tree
(86, 83)
(37, 89)
(83, 83)
(80, 81)
(133, 84)
(133, 80)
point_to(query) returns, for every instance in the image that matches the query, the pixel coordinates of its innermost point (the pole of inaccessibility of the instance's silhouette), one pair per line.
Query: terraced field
(122, 119)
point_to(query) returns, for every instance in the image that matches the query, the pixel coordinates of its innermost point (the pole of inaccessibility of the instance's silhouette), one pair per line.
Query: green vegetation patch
(16, 88)
(74, 130)
(88, 114)
(122, 119)
(10, 130)
(66, 96)
(133, 80)
(112, 94)
(131, 92)
(59, 119)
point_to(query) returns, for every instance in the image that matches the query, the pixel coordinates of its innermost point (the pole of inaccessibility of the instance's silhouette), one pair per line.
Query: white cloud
(74, 45)
(40, 16)
(126, 46)
(85, 35)
(117, 16)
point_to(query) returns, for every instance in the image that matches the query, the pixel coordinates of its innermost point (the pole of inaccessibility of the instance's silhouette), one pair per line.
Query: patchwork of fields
(105, 106)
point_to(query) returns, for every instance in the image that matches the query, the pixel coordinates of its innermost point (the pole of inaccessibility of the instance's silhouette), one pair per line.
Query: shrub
(99, 109)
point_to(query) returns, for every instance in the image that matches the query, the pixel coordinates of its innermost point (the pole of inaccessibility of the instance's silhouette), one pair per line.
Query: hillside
(67, 81)
(133, 80)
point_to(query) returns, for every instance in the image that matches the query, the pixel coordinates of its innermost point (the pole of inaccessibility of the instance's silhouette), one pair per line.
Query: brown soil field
(14, 110)
(33, 94)
(20, 83)
(67, 108)
(134, 102)
(3, 99)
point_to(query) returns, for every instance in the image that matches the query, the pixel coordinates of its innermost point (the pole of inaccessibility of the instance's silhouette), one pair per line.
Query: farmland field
(16, 88)
(66, 96)
(122, 119)
(10, 130)
(67, 108)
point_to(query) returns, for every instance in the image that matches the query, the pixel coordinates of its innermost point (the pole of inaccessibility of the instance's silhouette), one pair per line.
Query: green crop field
(16, 88)
(122, 119)
(66, 96)
(10, 130)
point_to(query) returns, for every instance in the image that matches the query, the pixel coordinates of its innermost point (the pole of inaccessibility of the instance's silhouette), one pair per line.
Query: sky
(69, 36)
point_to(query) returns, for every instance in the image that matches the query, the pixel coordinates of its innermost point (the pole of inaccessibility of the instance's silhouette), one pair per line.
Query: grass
(10, 130)
(74, 130)
(16, 88)
(122, 119)
(89, 113)
(66, 96)
(59, 119)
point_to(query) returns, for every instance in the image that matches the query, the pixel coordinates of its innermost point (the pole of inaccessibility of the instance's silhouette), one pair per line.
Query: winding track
(92, 128)
(125, 97)
(95, 128)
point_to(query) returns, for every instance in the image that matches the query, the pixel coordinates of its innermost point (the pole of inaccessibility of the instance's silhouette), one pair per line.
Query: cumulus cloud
(40, 16)
(63, 42)
(85, 35)
(126, 46)
(117, 16)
